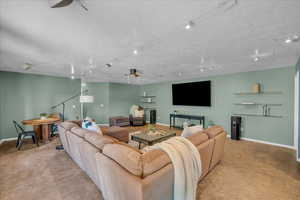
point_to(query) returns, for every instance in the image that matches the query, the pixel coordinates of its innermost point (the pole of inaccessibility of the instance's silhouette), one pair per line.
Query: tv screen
(192, 94)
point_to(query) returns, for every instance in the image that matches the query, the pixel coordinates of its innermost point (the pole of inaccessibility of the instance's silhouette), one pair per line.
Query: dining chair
(22, 134)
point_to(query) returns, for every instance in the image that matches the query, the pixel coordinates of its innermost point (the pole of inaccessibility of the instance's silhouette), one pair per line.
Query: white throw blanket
(187, 166)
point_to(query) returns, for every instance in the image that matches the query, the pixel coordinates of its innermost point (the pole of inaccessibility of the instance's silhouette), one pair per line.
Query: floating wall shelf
(253, 104)
(260, 93)
(258, 115)
(147, 102)
(147, 96)
(149, 108)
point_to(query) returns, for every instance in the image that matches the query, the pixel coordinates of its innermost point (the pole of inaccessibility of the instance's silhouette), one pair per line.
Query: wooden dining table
(42, 127)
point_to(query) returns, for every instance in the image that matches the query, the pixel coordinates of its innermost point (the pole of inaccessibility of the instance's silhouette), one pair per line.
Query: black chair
(22, 134)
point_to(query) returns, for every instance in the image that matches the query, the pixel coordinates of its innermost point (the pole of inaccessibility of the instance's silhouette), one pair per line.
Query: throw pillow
(92, 126)
(188, 131)
(138, 113)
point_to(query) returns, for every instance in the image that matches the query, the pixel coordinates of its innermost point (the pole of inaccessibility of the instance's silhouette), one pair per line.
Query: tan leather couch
(122, 172)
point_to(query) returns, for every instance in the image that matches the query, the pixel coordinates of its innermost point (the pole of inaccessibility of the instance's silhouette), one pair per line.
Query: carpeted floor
(248, 171)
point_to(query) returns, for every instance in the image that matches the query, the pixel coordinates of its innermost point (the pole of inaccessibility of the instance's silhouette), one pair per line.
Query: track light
(289, 40)
(72, 69)
(189, 25)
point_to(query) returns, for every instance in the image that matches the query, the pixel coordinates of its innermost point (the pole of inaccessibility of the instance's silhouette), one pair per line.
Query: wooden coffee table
(149, 139)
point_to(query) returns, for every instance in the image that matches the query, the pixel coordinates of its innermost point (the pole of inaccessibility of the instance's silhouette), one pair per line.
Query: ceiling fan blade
(62, 3)
(83, 6)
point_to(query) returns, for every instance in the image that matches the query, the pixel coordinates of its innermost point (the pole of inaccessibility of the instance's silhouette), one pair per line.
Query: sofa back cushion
(67, 125)
(214, 131)
(153, 161)
(198, 138)
(97, 140)
(126, 156)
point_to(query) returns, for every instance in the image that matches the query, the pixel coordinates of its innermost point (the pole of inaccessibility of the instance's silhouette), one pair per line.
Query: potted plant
(43, 116)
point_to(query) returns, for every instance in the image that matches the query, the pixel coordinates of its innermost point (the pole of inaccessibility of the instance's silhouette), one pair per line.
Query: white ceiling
(53, 39)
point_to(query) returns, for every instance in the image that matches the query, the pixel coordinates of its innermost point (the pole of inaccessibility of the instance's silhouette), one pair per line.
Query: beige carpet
(248, 171)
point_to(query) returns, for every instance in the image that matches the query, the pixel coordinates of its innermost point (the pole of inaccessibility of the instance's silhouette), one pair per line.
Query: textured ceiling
(223, 38)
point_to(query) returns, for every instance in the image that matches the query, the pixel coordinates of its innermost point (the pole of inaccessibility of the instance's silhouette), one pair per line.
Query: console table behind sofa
(189, 117)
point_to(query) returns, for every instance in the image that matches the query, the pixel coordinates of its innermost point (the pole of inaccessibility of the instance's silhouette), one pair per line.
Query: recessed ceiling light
(179, 74)
(202, 70)
(256, 59)
(72, 77)
(189, 25)
(135, 52)
(288, 40)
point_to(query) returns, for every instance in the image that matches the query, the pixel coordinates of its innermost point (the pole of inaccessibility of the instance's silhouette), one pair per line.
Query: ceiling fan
(64, 3)
(134, 73)
(257, 55)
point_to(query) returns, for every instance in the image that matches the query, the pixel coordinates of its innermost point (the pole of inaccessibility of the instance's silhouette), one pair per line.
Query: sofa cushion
(67, 125)
(198, 138)
(153, 161)
(97, 140)
(127, 157)
(214, 131)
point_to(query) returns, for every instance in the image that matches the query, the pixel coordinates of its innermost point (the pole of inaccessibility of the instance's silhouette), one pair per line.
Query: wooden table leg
(37, 129)
(45, 128)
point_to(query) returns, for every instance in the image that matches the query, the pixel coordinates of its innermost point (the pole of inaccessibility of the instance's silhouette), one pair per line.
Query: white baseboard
(265, 142)
(8, 139)
(162, 124)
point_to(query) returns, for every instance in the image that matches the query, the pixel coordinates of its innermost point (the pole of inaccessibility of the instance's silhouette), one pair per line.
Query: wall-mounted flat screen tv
(192, 94)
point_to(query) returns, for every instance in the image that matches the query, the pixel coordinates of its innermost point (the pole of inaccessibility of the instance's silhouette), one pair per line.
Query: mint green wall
(25, 96)
(121, 98)
(116, 99)
(223, 89)
(100, 91)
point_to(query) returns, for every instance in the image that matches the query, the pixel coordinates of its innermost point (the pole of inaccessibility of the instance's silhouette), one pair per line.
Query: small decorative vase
(256, 88)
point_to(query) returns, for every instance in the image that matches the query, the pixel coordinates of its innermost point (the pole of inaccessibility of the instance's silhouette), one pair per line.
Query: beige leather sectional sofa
(122, 172)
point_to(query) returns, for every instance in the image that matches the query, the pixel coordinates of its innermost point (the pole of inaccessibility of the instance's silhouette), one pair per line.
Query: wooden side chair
(22, 134)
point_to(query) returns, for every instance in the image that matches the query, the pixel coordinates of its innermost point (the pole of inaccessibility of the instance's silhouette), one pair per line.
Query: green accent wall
(111, 99)
(121, 98)
(98, 110)
(276, 130)
(25, 96)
